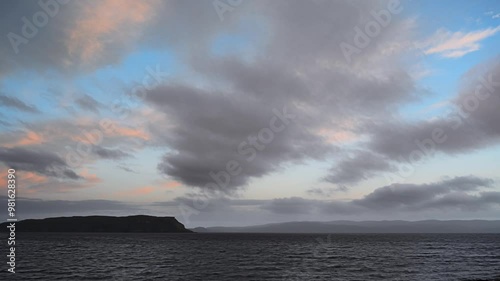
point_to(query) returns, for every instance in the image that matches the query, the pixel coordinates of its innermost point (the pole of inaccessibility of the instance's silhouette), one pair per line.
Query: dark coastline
(129, 224)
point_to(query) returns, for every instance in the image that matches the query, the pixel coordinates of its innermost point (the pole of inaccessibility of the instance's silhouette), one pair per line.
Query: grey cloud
(5, 124)
(31, 208)
(16, 103)
(473, 123)
(362, 165)
(126, 169)
(292, 205)
(45, 48)
(206, 125)
(450, 194)
(88, 103)
(42, 162)
(73, 141)
(299, 66)
(464, 201)
(107, 153)
(460, 196)
(209, 205)
(417, 196)
(210, 128)
(327, 191)
(187, 28)
(405, 197)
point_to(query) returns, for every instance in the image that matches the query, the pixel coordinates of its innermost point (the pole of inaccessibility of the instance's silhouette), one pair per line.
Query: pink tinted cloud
(457, 44)
(104, 23)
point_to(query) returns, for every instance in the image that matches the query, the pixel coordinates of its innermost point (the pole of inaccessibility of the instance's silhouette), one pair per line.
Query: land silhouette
(389, 226)
(139, 223)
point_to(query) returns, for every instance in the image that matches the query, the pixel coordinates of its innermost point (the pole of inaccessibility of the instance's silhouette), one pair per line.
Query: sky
(239, 112)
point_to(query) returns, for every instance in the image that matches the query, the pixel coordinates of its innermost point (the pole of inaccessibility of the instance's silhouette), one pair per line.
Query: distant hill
(426, 226)
(138, 223)
(199, 229)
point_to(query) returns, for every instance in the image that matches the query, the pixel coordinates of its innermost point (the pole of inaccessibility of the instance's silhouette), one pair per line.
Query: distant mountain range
(397, 226)
(138, 223)
(152, 224)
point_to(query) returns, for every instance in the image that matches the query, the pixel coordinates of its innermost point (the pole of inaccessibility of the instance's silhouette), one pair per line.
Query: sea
(249, 256)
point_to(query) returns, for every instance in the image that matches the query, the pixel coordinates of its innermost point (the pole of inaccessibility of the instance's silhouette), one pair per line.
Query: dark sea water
(84, 256)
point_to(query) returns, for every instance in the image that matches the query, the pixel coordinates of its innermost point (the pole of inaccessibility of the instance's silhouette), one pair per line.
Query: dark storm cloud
(42, 162)
(108, 153)
(88, 103)
(16, 103)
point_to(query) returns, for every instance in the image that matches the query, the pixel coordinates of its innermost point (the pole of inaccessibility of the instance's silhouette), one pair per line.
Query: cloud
(37, 208)
(473, 122)
(172, 184)
(29, 138)
(456, 44)
(17, 104)
(107, 153)
(81, 36)
(363, 165)
(297, 67)
(78, 36)
(59, 148)
(326, 192)
(448, 198)
(126, 169)
(29, 179)
(88, 103)
(395, 145)
(90, 178)
(459, 193)
(100, 26)
(117, 130)
(139, 191)
(420, 196)
(43, 162)
(302, 69)
(292, 205)
(211, 128)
